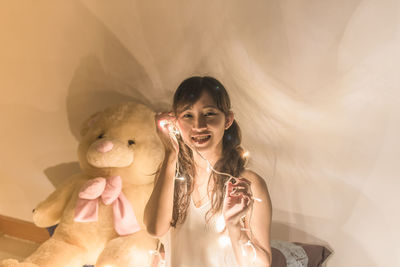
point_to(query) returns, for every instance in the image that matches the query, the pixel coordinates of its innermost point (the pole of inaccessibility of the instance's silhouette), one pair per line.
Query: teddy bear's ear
(89, 123)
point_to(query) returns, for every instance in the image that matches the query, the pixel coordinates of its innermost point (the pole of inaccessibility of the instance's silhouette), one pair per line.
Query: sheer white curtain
(314, 86)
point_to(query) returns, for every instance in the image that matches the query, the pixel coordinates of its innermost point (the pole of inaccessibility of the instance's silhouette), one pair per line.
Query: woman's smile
(201, 139)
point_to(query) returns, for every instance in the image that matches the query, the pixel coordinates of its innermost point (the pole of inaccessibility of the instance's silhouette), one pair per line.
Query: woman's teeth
(201, 139)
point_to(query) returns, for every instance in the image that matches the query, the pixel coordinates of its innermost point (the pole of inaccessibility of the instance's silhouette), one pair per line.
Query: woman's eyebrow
(210, 106)
(187, 107)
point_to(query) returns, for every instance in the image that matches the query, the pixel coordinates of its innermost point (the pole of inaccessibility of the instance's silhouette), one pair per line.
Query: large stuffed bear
(99, 211)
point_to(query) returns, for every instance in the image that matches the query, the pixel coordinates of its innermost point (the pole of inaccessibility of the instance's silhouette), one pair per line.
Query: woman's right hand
(165, 122)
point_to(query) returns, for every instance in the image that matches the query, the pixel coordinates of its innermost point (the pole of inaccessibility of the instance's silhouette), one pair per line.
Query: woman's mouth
(201, 139)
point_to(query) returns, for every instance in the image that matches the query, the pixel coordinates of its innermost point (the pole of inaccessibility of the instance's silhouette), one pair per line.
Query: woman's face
(202, 125)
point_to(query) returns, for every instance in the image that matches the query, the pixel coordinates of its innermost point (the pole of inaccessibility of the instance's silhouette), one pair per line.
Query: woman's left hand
(237, 201)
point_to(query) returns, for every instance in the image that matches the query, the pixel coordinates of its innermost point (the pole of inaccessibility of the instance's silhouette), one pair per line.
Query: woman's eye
(208, 114)
(100, 136)
(131, 142)
(187, 115)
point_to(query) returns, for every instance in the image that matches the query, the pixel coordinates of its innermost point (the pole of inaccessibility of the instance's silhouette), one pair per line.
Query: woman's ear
(229, 120)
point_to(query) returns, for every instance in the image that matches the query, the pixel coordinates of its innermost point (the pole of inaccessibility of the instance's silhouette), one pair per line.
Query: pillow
(293, 254)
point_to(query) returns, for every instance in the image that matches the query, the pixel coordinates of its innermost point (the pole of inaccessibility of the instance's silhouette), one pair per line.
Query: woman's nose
(200, 123)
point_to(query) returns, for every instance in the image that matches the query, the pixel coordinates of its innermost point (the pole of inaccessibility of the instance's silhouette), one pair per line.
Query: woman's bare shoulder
(257, 182)
(252, 176)
(258, 187)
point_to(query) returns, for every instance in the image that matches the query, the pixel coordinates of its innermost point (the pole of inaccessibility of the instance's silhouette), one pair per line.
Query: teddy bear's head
(121, 140)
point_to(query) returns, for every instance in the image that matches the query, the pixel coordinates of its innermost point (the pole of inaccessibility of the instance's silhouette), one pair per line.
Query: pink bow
(110, 191)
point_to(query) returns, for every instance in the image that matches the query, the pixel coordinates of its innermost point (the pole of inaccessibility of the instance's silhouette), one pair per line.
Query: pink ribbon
(110, 192)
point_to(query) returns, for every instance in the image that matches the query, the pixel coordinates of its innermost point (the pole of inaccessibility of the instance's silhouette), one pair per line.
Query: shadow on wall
(110, 77)
(58, 173)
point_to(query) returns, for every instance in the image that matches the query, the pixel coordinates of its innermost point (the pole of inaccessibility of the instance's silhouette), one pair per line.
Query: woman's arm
(260, 223)
(158, 210)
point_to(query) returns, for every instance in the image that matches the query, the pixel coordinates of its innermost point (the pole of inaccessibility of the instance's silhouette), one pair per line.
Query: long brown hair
(232, 162)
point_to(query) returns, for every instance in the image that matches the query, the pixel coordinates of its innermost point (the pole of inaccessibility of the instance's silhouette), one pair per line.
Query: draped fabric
(314, 87)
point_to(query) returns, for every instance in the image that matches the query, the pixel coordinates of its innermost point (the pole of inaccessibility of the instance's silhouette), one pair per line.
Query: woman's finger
(242, 190)
(242, 179)
(229, 189)
(243, 185)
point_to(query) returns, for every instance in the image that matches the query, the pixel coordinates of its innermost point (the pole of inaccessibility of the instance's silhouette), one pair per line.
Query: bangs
(191, 89)
(187, 94)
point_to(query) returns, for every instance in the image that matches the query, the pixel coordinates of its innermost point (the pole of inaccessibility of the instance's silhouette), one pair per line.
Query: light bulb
(162, 123)
(220, 224)
(208, 167)
(224, 241)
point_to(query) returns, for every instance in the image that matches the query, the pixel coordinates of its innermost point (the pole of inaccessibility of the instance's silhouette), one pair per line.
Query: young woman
(210, 218)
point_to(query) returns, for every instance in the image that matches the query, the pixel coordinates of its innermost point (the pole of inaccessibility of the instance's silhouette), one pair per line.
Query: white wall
(314, 86)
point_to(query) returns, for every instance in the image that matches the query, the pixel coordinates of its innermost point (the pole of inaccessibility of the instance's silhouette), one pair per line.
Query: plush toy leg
(50, 254)
(132, 250)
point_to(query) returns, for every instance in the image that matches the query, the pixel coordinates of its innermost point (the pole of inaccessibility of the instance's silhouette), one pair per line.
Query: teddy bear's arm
(49, 211)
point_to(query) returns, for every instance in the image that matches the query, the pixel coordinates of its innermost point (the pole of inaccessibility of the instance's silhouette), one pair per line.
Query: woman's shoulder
(252, 176)
(257, 182)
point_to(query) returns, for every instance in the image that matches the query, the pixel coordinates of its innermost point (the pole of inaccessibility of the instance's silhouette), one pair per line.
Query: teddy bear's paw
(15, 263)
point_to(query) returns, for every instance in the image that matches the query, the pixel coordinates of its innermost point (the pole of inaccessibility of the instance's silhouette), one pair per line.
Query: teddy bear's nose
(105, 146)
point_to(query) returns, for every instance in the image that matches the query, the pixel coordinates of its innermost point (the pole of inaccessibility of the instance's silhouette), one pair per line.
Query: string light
(220, 224)
(208, 167)
(250, 245)
(257, 199)
(223, 240)
(162, 123)
(155, 253)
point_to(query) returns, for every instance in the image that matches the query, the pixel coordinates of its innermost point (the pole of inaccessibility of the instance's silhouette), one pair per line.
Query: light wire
(173, 133)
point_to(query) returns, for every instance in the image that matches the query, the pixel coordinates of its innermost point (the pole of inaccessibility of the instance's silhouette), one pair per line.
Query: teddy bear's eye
(100, 136)
(131, 142)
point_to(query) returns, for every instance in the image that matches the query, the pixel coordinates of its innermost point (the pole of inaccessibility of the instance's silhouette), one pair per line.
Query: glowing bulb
(171, 128)
(160, 260)
(224, 241)
(220, 224)
(208, 167)
(256, 199)
(153, 252)
(162, 123)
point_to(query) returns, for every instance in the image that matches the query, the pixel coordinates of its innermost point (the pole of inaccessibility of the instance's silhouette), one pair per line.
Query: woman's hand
(237, 201)
(166, 125)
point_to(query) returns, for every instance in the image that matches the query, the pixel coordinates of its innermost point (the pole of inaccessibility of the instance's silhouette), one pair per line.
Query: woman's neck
(201, 164)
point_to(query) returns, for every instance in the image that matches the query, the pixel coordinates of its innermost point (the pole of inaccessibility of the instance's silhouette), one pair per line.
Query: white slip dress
(196, 243)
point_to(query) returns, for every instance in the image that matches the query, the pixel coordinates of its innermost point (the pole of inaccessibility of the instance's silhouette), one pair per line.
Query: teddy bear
(99, 211)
